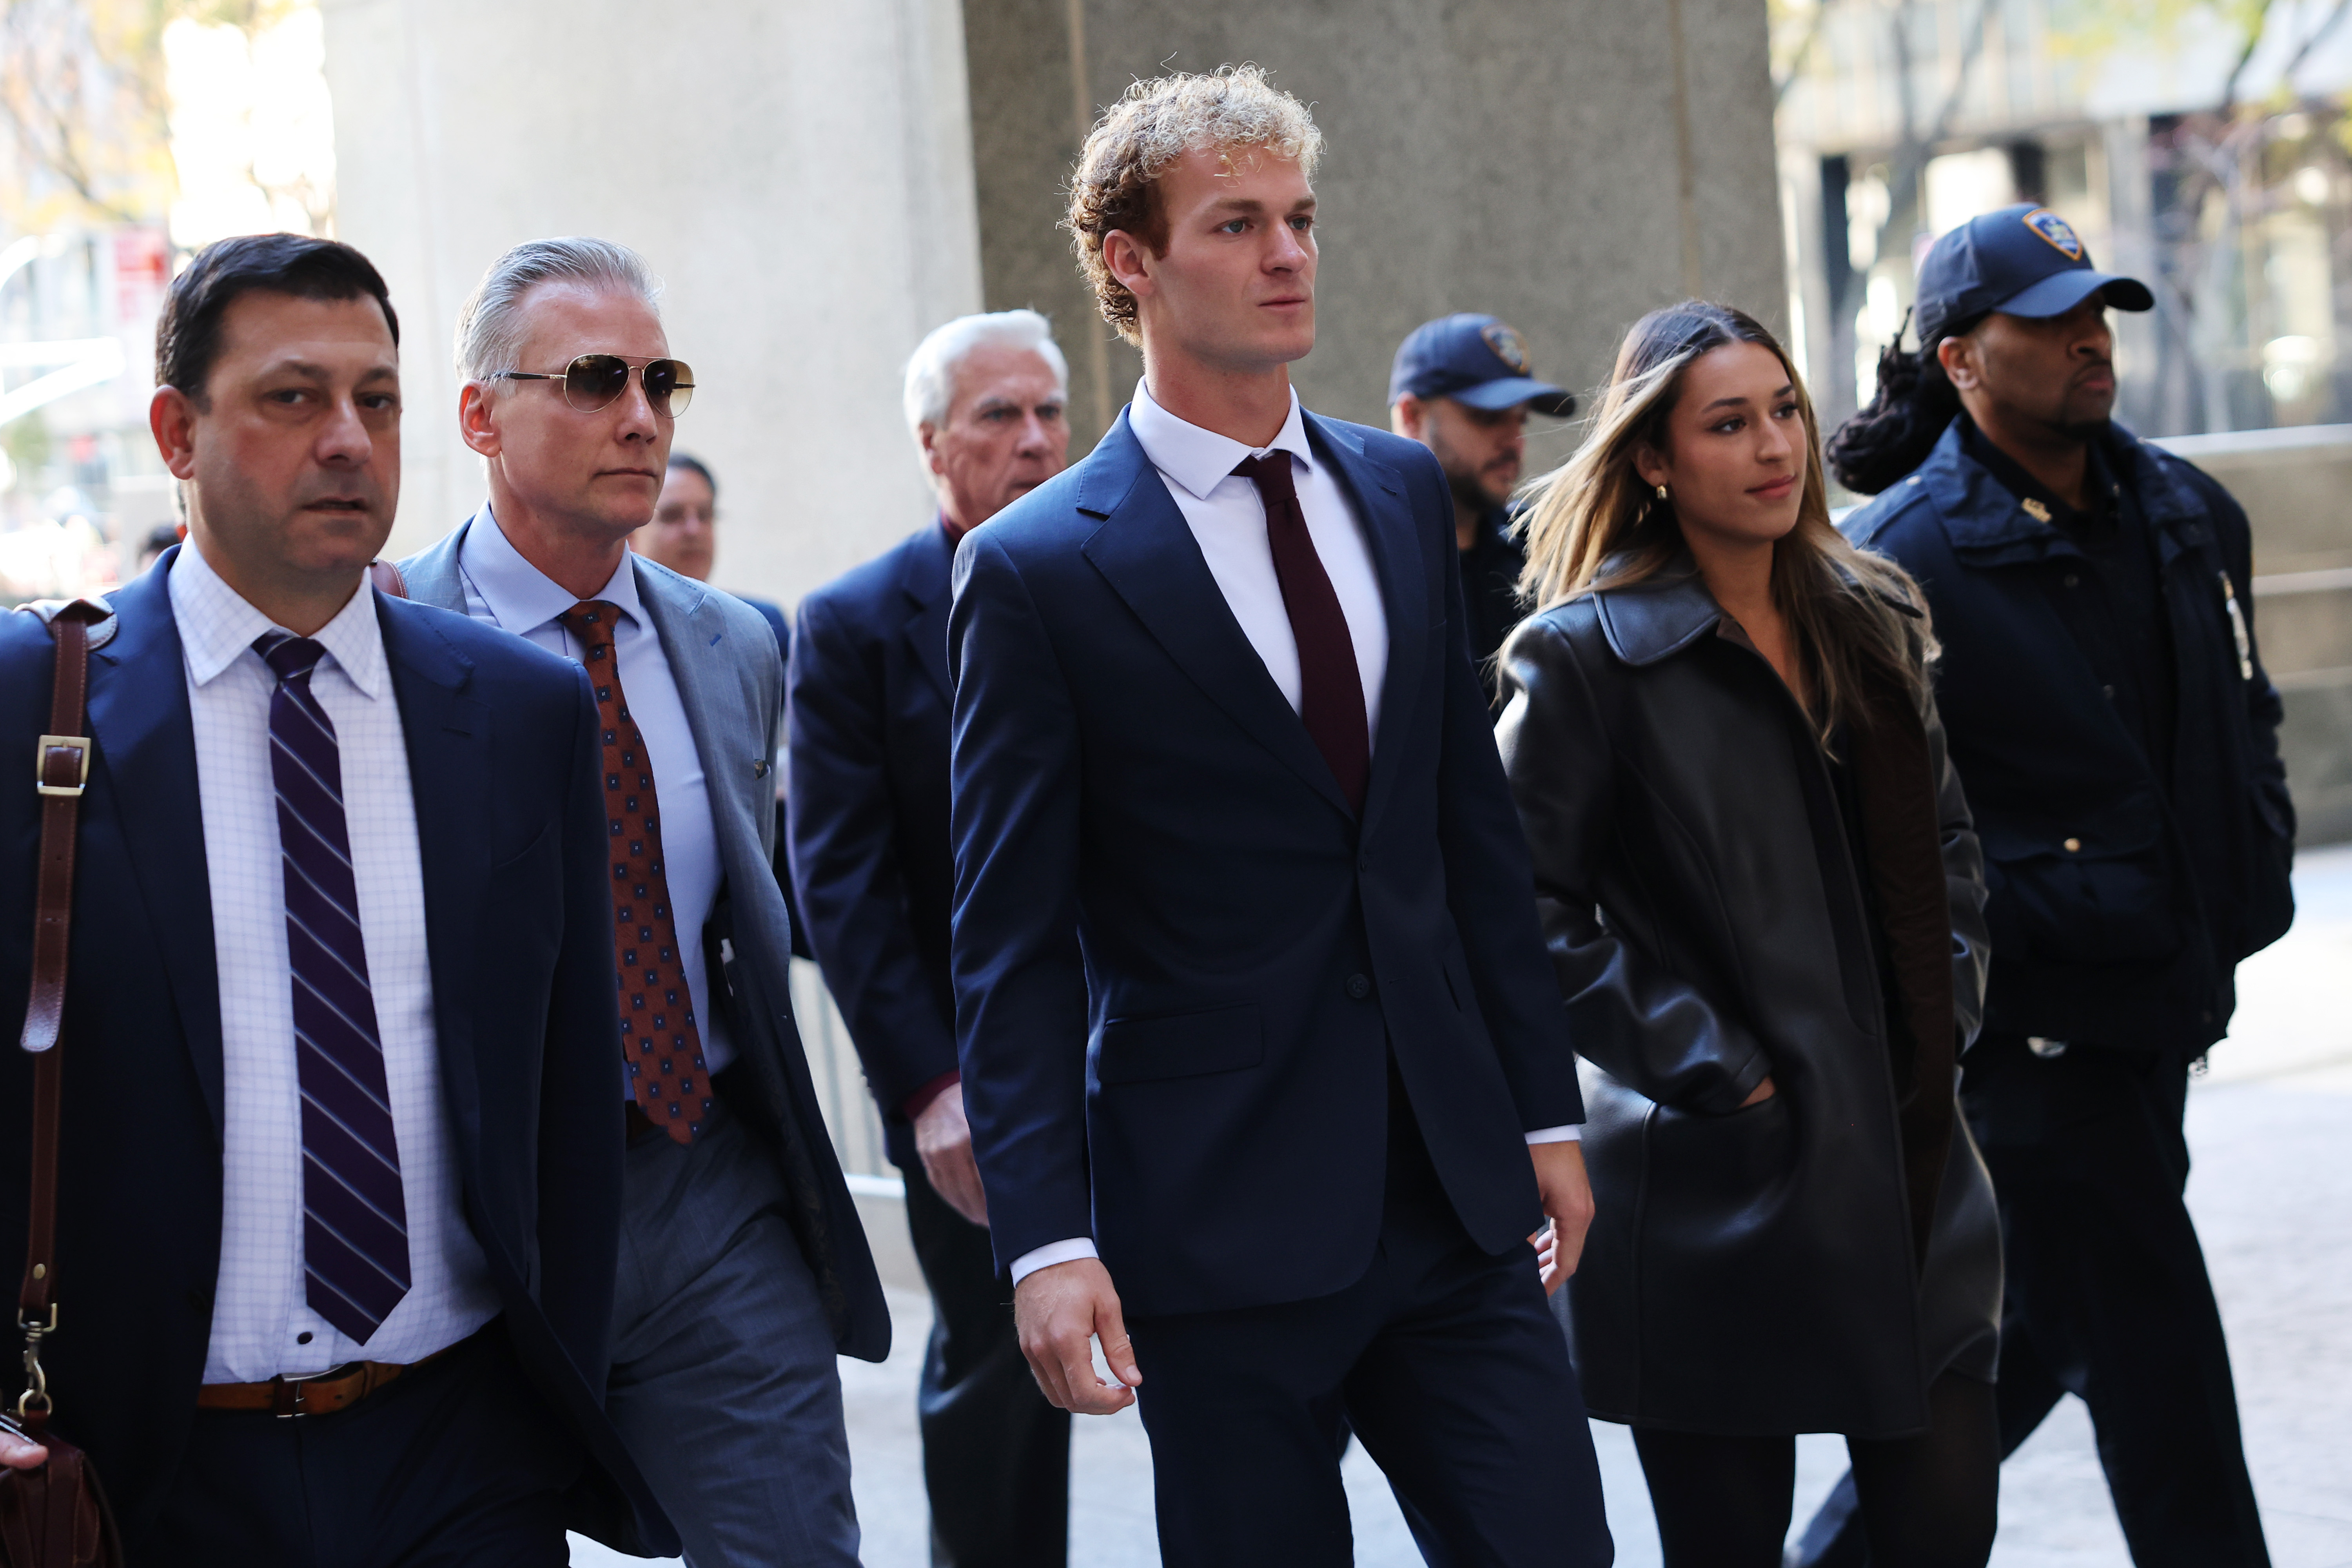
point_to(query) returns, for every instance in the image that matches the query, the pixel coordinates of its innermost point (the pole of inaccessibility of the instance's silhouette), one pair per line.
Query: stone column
(798, 175)
(1566, 167)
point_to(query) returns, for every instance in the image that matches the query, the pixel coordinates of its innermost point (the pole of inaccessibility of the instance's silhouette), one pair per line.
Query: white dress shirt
(510, 592)
(1228, 521)
(262, 1324)
(1227, 518)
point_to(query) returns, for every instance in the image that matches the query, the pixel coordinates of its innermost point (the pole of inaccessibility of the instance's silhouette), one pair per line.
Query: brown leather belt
(322, 1394)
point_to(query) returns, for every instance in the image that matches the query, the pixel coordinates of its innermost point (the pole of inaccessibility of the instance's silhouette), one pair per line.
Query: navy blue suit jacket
(867, 709)
(1181, 963)
(502, 752)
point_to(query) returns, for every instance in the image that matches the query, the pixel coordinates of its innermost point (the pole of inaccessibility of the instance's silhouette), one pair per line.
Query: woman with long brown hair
(1763, 896)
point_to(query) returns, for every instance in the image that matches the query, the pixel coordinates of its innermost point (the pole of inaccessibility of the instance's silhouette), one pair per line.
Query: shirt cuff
(915, 1104)
(1054, 1252)
(1571, 1133)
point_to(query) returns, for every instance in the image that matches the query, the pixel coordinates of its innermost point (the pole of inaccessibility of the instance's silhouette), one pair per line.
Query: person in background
(1725, 751)
(684, 536)
(1262, 1059)
(1460, 386)
(340, 1180)
(160, 538)
(744, 1269)
(2107, 708)
(867, 710)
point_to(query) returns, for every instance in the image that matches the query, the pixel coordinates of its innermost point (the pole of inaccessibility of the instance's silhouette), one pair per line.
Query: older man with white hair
(868, 709)
(742, 1266)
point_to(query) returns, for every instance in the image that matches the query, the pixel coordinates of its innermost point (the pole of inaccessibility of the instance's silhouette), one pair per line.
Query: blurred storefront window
(2204, 148)
(131, 132)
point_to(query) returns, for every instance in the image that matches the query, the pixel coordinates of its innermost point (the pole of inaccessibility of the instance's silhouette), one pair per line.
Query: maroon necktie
(1330, 686)
(659, 1042)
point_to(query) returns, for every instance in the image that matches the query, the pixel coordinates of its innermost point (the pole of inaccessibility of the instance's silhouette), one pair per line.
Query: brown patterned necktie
(659, 1041)
(1330, 684)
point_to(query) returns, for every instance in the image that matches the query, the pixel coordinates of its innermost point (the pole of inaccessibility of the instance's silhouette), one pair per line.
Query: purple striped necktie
(354, 1213)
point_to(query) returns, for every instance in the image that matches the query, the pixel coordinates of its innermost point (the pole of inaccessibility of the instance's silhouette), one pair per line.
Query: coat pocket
(2102, 892)
(1180, 1044)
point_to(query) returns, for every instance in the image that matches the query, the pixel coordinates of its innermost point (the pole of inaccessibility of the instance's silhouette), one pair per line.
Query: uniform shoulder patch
(2056, 231)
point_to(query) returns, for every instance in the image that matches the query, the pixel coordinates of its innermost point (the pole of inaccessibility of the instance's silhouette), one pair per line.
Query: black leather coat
(1811, 1263)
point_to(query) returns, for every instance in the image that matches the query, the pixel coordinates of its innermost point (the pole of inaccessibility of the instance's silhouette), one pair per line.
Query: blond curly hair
(1153, 124)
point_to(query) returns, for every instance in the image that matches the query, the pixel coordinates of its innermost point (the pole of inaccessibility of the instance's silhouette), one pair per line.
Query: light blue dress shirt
(510, 592)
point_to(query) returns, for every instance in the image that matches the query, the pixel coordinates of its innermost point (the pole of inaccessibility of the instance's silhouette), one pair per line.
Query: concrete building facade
(798, 175)
(821, 184)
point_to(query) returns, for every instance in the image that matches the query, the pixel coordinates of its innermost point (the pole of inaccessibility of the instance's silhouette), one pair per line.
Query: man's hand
(1057, 1311)
(943, 1138)
(1568, 1203)
(18, 1454)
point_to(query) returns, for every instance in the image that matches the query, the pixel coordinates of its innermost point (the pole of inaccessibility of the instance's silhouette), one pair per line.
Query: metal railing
(841, 1091)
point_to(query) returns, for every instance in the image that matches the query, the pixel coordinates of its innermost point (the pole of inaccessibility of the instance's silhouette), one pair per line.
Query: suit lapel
(431, 574)
(1378, 492)
(448, 772)
(710, 688)
(1146, 553)
(930, 560)
(147, 744)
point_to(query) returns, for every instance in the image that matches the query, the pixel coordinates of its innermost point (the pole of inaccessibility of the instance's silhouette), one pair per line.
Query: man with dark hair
(744, 1269)
(1264, 1060)
(2107, 708)
(868, 715)
(342, 1164)
(683, 535)
(1460, 386)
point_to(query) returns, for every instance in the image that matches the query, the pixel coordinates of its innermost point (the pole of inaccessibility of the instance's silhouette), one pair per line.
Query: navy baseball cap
(2022, 260)
(1475, 360)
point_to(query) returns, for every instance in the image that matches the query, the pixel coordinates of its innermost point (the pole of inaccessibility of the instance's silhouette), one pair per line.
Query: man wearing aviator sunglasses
(743, 1267)
(593, 383)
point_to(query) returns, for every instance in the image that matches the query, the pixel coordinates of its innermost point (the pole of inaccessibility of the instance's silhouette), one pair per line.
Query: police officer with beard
(2108, 714)
(1461, 387)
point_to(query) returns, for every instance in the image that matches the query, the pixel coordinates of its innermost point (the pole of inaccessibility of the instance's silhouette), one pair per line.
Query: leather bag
(56, 1516)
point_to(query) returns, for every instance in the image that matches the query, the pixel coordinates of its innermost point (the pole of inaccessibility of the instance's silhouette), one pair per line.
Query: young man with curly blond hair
(1263, 1063)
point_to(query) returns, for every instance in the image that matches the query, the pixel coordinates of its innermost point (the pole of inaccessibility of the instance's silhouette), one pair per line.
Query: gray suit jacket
(731, 680)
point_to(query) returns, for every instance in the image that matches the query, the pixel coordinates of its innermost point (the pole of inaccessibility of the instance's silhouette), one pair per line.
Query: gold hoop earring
(1662, 492)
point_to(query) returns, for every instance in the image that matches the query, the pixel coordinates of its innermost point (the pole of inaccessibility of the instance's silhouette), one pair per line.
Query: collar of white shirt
(522, 597)
(216, 625)
(1201, 459)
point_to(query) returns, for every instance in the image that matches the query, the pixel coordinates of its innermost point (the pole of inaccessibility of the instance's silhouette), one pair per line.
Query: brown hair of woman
(1595, 522)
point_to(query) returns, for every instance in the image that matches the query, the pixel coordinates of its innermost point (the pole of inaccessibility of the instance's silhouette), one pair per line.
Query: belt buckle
(286, 1392)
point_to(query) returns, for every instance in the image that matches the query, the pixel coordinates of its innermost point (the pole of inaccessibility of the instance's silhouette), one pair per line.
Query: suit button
(2073, 847)
(1358, 986)
(2073, 581)
(1363, 862)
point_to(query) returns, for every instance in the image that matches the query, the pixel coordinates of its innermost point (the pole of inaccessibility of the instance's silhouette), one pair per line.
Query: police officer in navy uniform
(2109, 716)
(1461, 387)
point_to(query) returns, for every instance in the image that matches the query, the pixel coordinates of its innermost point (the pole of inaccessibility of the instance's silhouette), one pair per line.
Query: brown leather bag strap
(61, 769)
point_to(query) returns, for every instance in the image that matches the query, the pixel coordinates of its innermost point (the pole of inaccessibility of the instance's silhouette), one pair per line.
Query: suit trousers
(996, 1453)
(1444, 1360)
(724, 1386)
(2106, 1299)
(458, 1465)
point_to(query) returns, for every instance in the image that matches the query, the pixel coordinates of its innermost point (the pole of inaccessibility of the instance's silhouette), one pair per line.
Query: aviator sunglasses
(594, 381)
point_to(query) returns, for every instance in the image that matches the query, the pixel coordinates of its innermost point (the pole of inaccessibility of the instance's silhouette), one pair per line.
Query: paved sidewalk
(2272, 1197)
